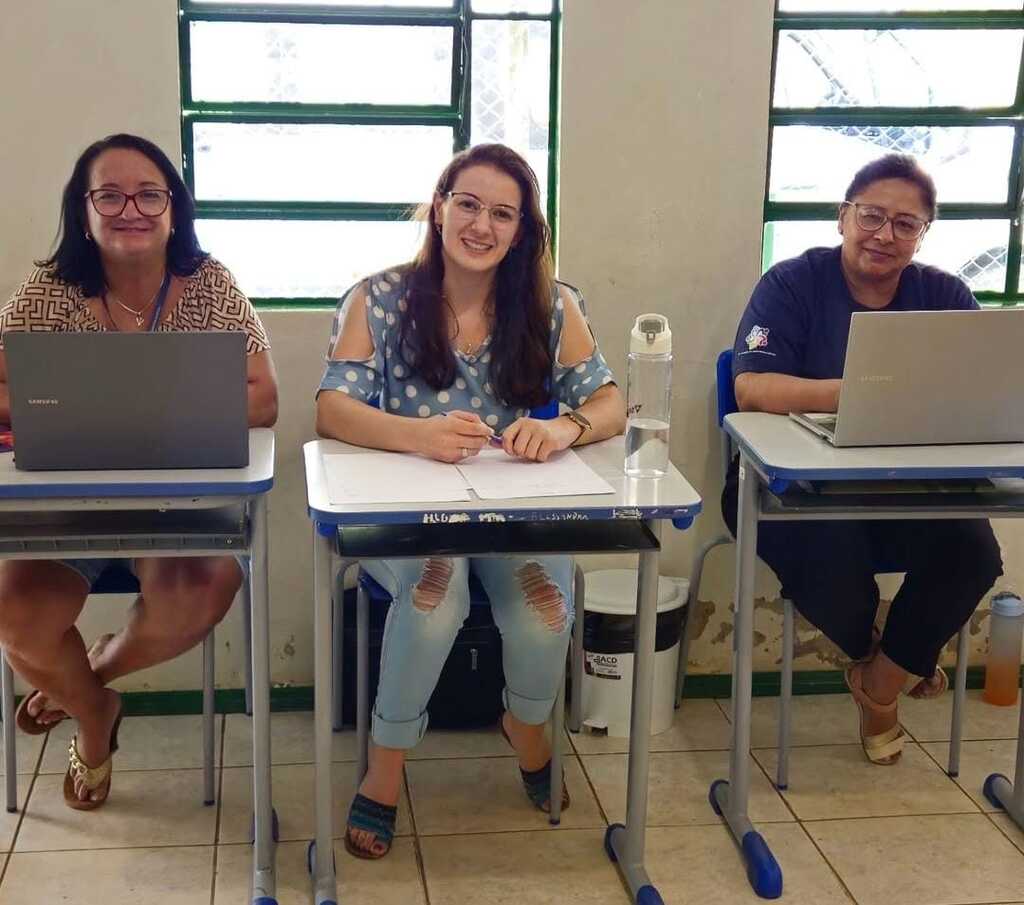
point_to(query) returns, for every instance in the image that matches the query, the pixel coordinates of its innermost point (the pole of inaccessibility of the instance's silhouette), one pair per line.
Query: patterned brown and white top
(209, 300)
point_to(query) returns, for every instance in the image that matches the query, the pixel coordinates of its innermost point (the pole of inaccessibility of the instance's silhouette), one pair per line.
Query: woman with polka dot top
(441, 357)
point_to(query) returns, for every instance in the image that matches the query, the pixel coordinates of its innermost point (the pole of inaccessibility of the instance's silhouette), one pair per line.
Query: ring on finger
(465, 453)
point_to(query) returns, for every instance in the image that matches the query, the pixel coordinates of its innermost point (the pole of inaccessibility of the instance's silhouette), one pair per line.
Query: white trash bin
(608, 638)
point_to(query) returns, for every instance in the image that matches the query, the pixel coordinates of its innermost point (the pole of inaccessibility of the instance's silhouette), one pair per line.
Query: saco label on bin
(603, 666)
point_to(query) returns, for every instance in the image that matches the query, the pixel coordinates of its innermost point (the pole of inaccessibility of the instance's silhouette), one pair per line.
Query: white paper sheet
(387, 477)
(495, 475)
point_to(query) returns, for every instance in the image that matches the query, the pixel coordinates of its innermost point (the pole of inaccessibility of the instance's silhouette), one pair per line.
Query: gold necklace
(141, 311)
(470, 346)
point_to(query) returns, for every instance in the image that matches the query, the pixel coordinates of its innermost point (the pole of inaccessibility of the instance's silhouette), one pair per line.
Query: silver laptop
(929, 377)
(128, 400)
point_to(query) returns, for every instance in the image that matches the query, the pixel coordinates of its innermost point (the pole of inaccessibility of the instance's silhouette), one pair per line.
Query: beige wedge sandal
(885, 748)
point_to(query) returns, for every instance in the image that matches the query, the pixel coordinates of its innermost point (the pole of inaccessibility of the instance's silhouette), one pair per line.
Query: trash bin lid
(614, 591)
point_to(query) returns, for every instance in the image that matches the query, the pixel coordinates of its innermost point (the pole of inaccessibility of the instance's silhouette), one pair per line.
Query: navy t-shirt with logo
(798, 319)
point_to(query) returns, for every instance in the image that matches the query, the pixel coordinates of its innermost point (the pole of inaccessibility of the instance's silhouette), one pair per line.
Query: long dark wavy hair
(76, 260)
(521, 359)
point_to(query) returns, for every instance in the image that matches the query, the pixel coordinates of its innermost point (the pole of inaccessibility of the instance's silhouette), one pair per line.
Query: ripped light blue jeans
(531, 602)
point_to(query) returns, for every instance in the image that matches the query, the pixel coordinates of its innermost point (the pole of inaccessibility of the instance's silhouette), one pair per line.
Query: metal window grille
(946, 86)
(275, 93)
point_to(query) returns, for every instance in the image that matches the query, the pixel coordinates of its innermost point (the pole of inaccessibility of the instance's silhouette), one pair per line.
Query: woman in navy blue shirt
(788, 357)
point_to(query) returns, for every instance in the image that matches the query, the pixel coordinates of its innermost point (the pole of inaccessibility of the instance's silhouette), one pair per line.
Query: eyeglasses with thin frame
(871, 219)
(467, 205)
(111, 202)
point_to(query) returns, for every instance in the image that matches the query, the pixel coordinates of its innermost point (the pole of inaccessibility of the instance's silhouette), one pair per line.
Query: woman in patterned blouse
(127, 259)
(443, 357)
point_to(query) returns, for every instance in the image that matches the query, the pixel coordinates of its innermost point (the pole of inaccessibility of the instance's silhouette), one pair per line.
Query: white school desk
(628, 520)
(775, 453)
(162, 512)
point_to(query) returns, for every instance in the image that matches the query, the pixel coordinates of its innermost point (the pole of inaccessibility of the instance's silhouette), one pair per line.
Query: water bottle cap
(1007, 604)
(651, 335)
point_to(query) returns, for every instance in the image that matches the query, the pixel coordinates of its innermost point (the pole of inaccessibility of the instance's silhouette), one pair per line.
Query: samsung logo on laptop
(46, 401)
(875, 378)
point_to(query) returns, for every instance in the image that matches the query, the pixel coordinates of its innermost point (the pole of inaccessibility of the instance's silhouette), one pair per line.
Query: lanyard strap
(161, 297)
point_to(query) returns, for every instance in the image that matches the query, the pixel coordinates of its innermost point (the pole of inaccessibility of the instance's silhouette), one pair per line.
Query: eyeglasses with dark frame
(469, 206)
(112, 202)
(871, 219)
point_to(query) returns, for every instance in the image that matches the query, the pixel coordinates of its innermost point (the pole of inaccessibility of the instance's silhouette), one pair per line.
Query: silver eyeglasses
(871, 219)
(467, 205)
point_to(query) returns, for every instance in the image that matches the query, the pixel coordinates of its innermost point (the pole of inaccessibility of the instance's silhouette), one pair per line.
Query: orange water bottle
(1006, 630)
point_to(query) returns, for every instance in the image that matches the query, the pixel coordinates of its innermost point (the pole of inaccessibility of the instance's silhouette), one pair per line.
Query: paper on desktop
(387, 477)
(495, 475)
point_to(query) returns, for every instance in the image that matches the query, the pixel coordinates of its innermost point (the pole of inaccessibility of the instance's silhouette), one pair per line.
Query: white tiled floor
(844, 831)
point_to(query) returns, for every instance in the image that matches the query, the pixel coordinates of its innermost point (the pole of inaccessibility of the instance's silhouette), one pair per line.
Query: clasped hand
(460, 435)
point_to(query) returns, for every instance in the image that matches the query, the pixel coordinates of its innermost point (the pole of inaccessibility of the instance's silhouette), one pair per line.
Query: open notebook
(387, 477)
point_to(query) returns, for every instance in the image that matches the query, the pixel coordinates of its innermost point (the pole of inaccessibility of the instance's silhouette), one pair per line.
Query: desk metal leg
(956, 731)
(362, 680)
(263, 880)
(999, 790)
(577, 656)
(321, 850)
(625, 844)
(209, 717)
(729, 798)
(10, 750)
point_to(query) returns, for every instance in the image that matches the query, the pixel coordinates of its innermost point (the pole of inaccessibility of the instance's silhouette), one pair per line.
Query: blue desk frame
(647, 502)
(775, 453)
(26, 493)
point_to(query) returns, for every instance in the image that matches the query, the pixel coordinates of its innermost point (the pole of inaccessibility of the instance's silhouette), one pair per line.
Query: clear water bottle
(648, 397)
(1006, 631)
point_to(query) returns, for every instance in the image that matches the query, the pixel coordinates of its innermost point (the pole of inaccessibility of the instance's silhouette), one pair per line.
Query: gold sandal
(885, 748)
(92, 778)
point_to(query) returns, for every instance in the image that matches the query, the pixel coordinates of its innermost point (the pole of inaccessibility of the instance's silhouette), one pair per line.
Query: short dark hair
(895, 166)
(76, 259)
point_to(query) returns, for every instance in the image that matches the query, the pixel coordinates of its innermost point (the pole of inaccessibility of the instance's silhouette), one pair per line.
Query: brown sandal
(93, 778)
(28, 723)
(884, 748)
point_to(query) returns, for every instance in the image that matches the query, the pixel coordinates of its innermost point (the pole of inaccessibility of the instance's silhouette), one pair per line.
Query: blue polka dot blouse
(383, 379)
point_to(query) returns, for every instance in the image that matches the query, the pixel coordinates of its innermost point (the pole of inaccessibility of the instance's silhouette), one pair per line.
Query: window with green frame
(311, 132)
(940, 79)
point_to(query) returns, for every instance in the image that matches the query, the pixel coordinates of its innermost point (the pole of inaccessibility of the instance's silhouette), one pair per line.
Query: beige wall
(664, 134)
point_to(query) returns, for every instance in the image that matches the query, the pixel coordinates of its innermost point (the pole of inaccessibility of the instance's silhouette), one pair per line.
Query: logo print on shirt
(757, 338)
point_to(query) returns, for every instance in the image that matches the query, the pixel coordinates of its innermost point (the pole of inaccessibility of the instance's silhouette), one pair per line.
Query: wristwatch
(581, 422)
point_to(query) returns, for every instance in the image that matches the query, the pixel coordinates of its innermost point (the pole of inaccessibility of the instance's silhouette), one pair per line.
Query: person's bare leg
(529, 741)
(160, 626)
(383, 784)
(181, 600)
(882, 681)
(39, 603)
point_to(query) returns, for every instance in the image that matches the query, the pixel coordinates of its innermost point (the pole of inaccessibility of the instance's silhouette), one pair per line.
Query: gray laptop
(929, 377)
(128, 400)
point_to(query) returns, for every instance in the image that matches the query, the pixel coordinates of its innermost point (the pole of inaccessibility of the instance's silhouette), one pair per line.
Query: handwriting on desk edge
(445, 518)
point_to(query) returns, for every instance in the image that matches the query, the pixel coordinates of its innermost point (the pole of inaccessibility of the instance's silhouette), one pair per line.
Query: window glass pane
(373, 64)
(511, 89)
(306, 259)
(816, 163)
(272, 162)
(512, 6)
(897, 68)
(974, 250)
(890, 6)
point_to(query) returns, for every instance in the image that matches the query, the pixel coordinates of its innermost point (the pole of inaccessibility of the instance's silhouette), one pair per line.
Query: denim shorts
(92, 569)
